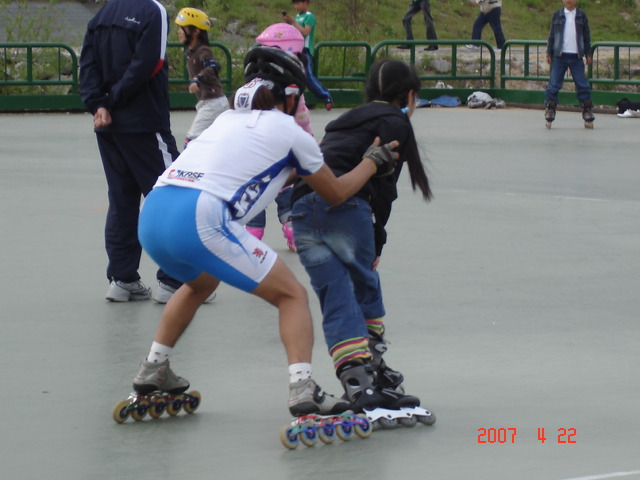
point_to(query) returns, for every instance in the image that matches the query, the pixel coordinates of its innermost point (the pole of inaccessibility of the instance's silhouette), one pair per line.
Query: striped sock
(375, 326)
(349, 350)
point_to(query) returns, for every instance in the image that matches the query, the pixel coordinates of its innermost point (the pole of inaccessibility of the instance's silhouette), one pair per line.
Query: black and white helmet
(271, 63)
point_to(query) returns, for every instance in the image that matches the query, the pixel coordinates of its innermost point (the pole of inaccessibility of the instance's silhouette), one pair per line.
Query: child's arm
(304, 30)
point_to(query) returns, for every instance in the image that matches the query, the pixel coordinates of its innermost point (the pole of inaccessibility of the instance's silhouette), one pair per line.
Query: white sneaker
(472, 47)
(124, 291)
(630, 114)
(164, 292)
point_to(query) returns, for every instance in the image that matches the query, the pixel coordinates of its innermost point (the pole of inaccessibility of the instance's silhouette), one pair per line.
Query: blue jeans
(415, 7)
(559, 66)
(313, 83)
(493, 19)
(336, 247)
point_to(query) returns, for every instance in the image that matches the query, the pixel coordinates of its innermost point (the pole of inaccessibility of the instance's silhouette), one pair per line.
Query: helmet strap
(187, 35)
(292, 90)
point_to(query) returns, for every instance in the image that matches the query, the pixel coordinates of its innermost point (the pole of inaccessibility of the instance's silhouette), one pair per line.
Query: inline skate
(156, 390)
(550, 112)
(384, 407)
(587, 114)
(308, 429)
(319, 415)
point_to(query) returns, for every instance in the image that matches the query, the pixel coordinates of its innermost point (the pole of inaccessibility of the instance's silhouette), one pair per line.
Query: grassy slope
(375, 20)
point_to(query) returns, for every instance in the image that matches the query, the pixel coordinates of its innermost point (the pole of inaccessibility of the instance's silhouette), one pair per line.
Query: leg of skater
(583, 90)
(558, 70)
(281, 289)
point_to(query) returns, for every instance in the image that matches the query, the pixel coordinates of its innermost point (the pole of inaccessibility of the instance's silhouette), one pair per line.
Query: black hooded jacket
(346, 140)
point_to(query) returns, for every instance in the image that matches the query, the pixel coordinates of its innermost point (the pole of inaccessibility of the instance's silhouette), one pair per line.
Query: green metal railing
(485, 56)
(618, 76)
(58, 56)
(44, 76)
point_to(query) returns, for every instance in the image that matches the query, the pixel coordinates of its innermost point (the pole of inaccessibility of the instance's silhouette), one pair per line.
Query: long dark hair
(391, 81)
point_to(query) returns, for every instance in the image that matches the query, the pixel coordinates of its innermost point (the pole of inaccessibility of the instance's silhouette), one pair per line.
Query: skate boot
(587, 114)
(158, 376)
(550, 112)
(156, 390)
(359, 383)
(384, 407)
(306, 397)
(385, 376)
(287, 231)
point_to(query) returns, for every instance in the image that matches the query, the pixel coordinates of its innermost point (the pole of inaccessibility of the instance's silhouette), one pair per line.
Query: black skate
(384, 407)
(587, 114)
(550, 112)
(386, 377)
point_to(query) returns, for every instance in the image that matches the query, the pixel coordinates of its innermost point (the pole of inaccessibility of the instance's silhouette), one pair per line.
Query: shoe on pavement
(164, 292)
(630, 114)
(120, 291)
(472, 47)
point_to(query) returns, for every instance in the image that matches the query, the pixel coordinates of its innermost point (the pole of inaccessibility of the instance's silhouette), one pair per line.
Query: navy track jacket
(123, 65)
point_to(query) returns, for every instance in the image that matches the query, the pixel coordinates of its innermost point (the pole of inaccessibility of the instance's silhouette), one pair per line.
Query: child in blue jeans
(569, 41)
(340, 247)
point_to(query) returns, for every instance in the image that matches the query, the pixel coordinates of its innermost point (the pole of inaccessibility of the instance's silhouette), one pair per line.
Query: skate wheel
(288, 438)
(140, 411)
(326, 433)
(363, 427)
(192, 404)
(173, 407)
(308, 436)
(408, 421)
(156, 409)
(121, 412)
(387, 423)
(344, 431)
(427, 419)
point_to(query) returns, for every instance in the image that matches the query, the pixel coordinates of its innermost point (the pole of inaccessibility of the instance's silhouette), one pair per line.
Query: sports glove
(383, 157)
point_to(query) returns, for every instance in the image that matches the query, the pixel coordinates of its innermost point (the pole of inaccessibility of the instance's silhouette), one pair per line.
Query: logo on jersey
(187, 176)
(259, 254)
(242, 101)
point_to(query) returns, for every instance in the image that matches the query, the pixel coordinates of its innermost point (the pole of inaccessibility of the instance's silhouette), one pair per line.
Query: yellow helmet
(194, 17)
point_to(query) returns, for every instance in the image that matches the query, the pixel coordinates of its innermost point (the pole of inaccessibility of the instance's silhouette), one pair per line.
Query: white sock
(299, 371)
(159, 353)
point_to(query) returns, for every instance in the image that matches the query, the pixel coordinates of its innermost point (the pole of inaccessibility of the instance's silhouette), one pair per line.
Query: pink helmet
(282, 35)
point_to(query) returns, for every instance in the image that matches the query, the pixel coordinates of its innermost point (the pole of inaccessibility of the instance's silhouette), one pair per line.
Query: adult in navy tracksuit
(124, 84)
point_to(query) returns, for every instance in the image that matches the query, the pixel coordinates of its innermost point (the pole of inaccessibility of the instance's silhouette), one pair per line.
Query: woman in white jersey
(192, 223)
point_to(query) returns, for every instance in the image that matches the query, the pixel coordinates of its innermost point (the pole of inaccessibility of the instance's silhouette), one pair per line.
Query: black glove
(383, 157)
